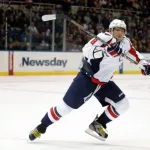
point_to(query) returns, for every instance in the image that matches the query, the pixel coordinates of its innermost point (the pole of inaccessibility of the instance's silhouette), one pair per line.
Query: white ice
(25, 100)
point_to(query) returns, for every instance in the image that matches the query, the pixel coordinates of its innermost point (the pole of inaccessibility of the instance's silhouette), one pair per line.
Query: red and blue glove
(146, 71)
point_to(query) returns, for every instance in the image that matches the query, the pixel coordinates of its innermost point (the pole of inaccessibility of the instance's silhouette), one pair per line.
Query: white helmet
(116, 23)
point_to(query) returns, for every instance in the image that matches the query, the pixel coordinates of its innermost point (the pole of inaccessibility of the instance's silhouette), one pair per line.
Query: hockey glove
(147, 69)
(114, 50)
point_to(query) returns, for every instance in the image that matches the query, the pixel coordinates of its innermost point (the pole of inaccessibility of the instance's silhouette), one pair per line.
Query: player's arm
(94, 48)
(134, 55)
(93, 52)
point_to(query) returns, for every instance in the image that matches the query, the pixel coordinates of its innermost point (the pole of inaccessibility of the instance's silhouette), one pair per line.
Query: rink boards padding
(21, 63)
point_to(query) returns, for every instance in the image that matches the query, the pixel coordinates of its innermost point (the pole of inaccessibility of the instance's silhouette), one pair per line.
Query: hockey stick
(48, 17)
(54, 16)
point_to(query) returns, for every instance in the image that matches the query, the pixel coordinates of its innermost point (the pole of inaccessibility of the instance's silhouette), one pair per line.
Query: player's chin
(119, 39)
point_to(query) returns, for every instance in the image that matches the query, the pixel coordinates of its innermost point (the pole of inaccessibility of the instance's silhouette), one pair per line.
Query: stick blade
(49, 17)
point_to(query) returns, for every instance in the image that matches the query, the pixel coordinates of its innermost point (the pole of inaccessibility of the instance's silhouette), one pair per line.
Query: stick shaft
(94, 36)
(54, 16)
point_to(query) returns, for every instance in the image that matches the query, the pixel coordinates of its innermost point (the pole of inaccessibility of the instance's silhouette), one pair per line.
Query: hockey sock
(51, 117)
(108, 115)
(46, 121)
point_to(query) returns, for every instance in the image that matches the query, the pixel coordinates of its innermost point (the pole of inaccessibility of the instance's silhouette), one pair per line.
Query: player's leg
(118, 103)
(111, 95)
(79, 91)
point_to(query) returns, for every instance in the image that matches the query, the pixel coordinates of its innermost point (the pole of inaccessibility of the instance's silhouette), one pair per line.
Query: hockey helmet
(116, 23)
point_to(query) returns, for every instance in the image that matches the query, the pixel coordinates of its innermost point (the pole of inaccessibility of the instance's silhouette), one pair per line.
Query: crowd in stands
(138, 25)
(94, 15)
(113, 4)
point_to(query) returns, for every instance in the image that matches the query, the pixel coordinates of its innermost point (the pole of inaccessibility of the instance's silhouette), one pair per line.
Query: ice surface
(24, 101)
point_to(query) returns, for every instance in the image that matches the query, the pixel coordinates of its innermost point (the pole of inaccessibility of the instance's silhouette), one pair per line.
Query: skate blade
(94, 134)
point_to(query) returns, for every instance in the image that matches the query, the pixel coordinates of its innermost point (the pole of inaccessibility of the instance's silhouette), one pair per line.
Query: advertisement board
(51, 63)
(130, 68)
(46, 63)
(4, 63)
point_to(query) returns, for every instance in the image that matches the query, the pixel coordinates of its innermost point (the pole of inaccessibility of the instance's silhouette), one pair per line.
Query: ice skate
(97, 130)
(36, 133)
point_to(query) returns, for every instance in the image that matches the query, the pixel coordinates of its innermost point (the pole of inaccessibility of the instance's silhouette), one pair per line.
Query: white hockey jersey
(103, 64)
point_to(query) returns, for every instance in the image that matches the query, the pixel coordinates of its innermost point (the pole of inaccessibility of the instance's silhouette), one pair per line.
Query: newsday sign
(27, 61)
(45, 63)
(50, 63)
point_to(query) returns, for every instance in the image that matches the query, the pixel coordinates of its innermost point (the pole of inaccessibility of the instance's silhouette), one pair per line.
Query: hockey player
(94, 78)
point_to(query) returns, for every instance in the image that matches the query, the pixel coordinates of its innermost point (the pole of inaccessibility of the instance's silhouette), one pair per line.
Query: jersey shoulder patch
(105, 36)
(106, 33)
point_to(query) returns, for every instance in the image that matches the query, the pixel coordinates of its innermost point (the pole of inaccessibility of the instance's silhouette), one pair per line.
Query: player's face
(118, 33)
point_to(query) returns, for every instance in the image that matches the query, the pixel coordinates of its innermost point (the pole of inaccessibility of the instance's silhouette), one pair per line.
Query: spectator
(135, 13)
(32, 29)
